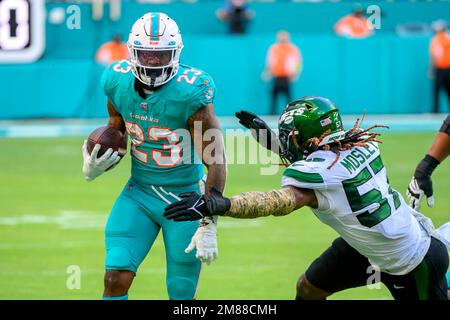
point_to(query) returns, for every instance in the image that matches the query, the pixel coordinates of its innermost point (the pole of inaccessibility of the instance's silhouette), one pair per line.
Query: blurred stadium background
(50, 218)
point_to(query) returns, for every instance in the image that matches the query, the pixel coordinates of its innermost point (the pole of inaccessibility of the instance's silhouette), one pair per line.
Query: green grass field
(50, 218)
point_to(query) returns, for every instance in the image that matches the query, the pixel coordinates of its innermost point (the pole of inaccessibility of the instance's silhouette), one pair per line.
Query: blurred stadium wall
(386, 73)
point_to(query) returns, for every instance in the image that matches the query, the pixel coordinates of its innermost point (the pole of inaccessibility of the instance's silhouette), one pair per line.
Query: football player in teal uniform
(164, 107)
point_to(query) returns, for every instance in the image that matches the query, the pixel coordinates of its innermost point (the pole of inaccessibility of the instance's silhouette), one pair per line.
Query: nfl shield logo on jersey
(144, 106)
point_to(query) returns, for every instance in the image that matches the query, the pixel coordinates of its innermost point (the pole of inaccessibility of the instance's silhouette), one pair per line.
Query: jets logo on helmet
(318, 127)
(155, 46)
(288, 117)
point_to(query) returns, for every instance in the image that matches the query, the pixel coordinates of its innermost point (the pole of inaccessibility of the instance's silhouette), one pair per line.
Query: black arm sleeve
(426, 167)
(446, 126)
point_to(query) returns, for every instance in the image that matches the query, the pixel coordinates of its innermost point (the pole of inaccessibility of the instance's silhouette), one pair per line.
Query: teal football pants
(133, 225)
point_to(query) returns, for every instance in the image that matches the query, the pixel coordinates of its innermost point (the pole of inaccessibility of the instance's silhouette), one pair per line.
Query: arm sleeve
(446, 126)
(262, 204)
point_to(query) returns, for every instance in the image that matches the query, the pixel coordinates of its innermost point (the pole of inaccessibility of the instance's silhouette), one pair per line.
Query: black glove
(195, 206)
(421, 183)
(252, 121)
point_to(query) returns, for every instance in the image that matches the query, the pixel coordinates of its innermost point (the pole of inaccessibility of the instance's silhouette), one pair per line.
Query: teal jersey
(162, 150)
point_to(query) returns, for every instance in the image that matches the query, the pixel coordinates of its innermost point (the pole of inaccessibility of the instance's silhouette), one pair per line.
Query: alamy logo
(374, 17)
(73, 281)
(373, 281)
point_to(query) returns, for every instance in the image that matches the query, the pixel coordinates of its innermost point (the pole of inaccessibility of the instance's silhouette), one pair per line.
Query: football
(107, 137)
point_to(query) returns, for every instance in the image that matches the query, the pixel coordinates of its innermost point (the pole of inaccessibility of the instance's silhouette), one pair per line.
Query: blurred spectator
(440, 61)
(283, 64)
(115, 9)
(112, 51)
(354, 25)
(237, 14)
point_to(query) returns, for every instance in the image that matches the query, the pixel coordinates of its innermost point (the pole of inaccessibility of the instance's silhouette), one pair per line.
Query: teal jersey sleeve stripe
(303, 176)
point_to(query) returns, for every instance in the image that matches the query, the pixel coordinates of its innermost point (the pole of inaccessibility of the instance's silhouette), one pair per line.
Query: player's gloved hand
(417, 189)
(205, 241)
(421, 184)
(194, 206)
(93, 166)
(259, 130)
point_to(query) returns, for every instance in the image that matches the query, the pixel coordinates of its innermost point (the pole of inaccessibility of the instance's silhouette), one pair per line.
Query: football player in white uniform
(340, 175)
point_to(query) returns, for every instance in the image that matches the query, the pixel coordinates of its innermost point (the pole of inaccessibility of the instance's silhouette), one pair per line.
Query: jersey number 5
(169, 155)
(358, 202)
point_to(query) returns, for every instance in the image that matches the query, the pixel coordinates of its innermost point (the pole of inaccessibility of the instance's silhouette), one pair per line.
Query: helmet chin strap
(152, 82)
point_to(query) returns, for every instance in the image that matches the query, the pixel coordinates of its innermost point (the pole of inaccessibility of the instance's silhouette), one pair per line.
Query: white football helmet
(155, 45)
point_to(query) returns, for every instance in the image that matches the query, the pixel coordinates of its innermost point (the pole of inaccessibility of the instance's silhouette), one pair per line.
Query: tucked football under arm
(276, 202)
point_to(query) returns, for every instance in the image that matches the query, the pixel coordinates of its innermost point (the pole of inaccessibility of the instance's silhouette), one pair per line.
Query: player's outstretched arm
(209, 146)
(212, 153)
(259, 130)
(94, 166)
(244, 205)
(421, 184)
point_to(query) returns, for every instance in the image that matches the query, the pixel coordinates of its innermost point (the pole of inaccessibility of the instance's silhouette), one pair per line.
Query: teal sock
(124, 297)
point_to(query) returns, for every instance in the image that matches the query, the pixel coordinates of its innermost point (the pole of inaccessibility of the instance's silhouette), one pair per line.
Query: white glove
(93, 166)
(415, 195)
(205, 241)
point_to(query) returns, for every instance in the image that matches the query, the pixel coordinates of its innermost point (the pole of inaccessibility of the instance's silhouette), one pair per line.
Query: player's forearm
(117, 123)
(216, 177)
(438, 152)
(441, 145)
(212, 150)
(263, 204)
(115, 119)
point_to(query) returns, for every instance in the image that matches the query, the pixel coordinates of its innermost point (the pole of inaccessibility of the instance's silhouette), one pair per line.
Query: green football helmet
(306, 118)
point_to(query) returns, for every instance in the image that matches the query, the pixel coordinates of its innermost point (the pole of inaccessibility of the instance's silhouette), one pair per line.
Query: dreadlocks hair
(355, 137)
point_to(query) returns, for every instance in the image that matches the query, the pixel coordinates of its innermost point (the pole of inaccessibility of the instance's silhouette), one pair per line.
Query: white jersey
(355, 199)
